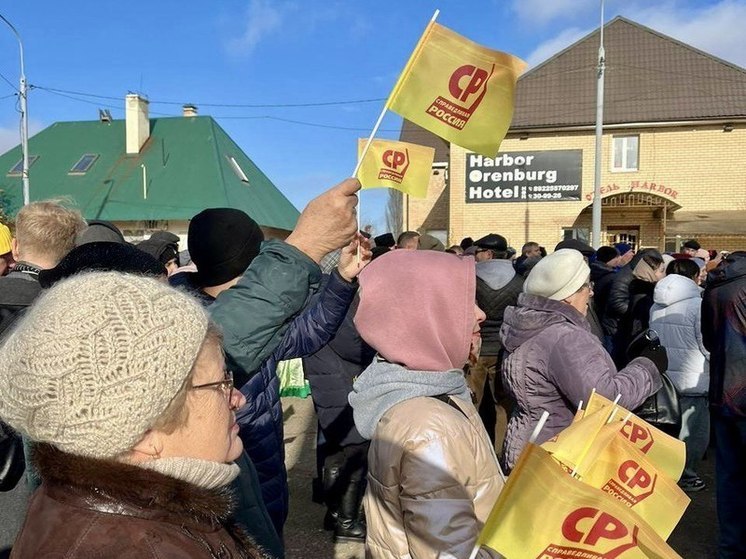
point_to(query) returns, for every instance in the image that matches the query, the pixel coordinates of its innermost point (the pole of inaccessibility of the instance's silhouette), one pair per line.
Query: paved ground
(694, 537)
(304, 536)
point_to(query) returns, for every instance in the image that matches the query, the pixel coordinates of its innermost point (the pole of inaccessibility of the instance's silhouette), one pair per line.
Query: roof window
(237, 169)
(83, 164)
(17, 169)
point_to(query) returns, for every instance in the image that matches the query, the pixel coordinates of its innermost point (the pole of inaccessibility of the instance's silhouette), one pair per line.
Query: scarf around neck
(202, 473)
(383, 385)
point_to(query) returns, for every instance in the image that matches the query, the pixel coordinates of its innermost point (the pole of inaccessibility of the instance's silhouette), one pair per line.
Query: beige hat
(97, 360)
(558, 275)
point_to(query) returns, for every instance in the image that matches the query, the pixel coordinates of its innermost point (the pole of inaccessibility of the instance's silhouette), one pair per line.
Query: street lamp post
(23, 93)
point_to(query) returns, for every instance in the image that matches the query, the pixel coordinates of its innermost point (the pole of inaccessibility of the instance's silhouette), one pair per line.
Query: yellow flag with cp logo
(458, 90)
(664, 451)
(543, 513)
(625, 473)
(400, 165)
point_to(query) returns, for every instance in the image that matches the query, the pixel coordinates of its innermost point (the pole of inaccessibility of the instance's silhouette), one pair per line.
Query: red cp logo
(591, 526)
(638, 435)
(469, 80)
(632, 474)
(395, 159)
(477, 79)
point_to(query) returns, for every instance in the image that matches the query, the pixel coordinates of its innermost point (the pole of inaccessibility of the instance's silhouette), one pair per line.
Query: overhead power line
(222, 105)
(216, 117)
(10, 83)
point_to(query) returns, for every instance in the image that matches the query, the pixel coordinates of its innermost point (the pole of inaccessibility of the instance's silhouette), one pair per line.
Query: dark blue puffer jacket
(260, 420)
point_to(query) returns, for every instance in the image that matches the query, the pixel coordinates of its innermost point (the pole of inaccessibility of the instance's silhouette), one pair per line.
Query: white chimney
(189, 110)
(137, 122)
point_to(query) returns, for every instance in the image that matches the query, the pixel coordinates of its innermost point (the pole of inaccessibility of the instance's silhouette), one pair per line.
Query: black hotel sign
(524, 176)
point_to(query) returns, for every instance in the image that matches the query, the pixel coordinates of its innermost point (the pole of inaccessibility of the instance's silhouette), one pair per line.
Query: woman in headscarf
(120, 382)
(433, 476)
(554, 361)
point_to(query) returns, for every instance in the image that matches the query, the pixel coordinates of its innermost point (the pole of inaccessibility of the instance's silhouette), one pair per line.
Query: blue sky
(262, 52)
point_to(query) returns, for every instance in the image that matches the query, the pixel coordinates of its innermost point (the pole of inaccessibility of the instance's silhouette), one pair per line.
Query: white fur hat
(558, 275)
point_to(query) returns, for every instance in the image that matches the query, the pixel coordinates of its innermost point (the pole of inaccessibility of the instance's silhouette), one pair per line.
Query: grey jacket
(553, 362)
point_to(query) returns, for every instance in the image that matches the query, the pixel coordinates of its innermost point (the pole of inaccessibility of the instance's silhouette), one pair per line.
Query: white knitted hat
(97, 360)
(558, 275)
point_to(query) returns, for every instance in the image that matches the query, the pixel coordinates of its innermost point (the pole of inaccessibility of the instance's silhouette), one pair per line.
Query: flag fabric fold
(400, 165)
(577, 446)
(543, 513)
(665, 452)
(458, 90)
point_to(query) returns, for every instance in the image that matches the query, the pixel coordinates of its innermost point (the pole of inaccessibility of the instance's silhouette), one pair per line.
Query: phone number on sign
(544, 196)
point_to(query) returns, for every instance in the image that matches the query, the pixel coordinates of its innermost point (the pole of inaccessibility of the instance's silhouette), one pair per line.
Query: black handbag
(12, 462)
(662, 408)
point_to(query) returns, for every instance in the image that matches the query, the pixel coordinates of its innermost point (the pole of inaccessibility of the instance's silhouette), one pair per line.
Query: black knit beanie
(222, 243)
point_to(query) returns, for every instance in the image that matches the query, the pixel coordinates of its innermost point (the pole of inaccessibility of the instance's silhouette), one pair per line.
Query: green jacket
(254, 314)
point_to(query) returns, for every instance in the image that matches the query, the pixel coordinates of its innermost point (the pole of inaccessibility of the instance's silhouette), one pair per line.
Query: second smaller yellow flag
(400, 165)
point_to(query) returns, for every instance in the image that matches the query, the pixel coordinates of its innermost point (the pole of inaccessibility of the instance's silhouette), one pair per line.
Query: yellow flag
(543, 513)
(577, 445)
(458, 90)
(622, 471)
(399, 165)
(665, 452)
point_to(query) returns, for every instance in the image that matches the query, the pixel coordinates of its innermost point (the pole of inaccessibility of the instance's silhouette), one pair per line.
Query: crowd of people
(140, 403)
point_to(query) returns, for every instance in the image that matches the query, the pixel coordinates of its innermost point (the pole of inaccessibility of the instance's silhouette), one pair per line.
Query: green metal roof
(187, 163)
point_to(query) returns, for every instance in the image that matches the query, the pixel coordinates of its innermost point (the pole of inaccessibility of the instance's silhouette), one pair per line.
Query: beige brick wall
(704, 166)
(425, 214)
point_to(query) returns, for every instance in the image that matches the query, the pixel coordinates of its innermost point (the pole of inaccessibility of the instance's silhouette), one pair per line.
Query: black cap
(692, 244)
(584, 248)
(493, 241)
(161, 245)
(606, 254)
(100, 231)
(222, 243)
(385, 240)
(102, 256)
(466, 242)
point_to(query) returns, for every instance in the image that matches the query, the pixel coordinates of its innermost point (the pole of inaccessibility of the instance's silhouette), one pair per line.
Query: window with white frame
(626, 152)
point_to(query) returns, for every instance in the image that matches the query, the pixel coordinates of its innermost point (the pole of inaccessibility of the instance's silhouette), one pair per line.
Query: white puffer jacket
(676, 316)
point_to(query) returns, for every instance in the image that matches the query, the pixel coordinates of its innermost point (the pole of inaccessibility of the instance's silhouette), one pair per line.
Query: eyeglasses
(226, 385)
(588, 285)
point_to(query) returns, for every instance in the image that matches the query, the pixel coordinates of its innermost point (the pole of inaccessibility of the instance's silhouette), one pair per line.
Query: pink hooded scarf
(417, 308)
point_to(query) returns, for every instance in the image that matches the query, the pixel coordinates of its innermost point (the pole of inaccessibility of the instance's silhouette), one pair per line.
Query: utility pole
(23, 102)
(596, 227)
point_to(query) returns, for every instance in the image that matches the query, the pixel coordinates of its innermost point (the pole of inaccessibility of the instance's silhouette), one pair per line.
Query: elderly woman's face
(211, 431)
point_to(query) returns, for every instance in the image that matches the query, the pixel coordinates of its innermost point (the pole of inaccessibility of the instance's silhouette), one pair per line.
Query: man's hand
(328, 222)
(349, 264)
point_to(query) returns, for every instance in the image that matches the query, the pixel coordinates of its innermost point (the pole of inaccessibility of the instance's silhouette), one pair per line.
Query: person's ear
(14, 248)
(150, 446)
